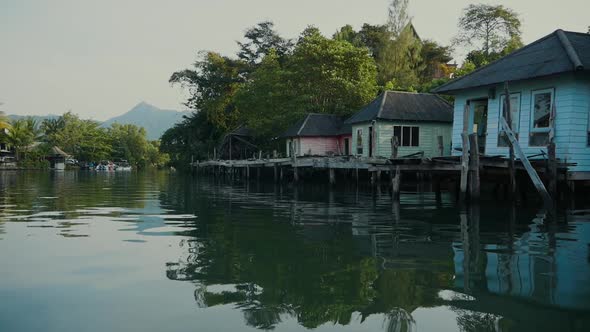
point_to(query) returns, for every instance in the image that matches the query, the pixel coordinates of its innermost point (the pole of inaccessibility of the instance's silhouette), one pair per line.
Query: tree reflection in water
(284, 260)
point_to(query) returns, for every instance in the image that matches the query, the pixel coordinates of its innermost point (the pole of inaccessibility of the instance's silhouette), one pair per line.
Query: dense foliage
(272, 82)
(85, 140)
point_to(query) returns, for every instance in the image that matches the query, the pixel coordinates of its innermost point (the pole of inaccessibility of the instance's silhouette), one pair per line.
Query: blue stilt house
(550, 73)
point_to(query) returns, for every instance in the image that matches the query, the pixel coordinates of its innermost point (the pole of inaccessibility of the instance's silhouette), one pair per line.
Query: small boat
(122, 165)
(105, 166)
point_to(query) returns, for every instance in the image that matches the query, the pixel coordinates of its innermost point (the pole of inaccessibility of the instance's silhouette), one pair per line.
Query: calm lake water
(167, 252)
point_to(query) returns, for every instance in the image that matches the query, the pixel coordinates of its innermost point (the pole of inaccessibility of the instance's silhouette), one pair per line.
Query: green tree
(154, 156)
(260, 40)
(330, 76)
(399, 61)
(490, 28)
(21, 136)
(84, 139)
(347, 33)
(374, 37)
(434, 57)
(129, 142)
(267, 101)
(212, 84)
(4, 121)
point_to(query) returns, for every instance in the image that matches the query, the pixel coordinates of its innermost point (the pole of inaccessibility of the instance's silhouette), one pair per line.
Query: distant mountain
(155, 120)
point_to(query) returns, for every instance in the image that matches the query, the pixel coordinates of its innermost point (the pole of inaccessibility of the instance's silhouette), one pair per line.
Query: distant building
(319, 135)
(552, 72)
(416, 119)
(237, 144)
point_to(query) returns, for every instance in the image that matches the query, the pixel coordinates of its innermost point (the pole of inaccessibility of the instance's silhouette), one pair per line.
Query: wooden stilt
(523, 158)
(474, 183)
(395, 184)
(332, 175)
(437, 194)
(275, 172)
(465, 155)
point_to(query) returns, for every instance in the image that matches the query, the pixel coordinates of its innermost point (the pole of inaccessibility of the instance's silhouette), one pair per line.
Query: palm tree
(4, 121)
(21, 135)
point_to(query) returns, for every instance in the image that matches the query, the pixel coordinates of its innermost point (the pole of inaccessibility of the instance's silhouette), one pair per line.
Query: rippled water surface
(167, 252)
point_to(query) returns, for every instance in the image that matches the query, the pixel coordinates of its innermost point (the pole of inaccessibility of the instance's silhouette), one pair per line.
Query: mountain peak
(152, 118)
(144, 106)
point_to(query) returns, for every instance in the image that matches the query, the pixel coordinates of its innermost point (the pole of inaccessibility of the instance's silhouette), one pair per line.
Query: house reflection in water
(317, 257)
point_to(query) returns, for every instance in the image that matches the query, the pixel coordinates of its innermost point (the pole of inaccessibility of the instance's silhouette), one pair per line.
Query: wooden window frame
(401, 136)
(532, 109)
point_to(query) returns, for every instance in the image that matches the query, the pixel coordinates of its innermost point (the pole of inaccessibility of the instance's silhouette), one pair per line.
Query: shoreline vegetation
(272, 81)
(28, 144)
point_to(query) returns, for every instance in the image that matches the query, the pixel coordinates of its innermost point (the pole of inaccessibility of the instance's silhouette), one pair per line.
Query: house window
(542, 102)
(407, 135)
(514, 114)
(359, 141)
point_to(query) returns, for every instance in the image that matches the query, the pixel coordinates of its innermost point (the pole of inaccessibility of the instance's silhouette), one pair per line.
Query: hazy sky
(99, 58)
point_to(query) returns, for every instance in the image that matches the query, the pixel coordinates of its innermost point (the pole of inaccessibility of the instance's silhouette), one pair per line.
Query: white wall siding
(572, 103)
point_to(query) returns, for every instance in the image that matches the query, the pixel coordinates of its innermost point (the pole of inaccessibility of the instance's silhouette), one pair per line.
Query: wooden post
(441, 146)
(552, 160)
(394, 146)
(511, 167)
(294, 158)
(281, 174)
(437, 194)
(395, 184)
(529, 168)
(248, 172)
(465, 156)
(230, 147)
(552, 165)
(259, 155)
(474, 187)
(332, 176)
(276, 172)
(214, 153)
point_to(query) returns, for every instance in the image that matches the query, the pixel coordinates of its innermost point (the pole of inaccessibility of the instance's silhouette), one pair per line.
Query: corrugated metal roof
(319, 125)
(405, 106)
(553, 54)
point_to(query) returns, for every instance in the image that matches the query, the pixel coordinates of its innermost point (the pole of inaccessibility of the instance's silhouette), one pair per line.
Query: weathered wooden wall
(572, 102)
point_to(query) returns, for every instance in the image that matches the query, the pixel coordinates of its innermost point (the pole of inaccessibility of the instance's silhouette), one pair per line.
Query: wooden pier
(461, 175)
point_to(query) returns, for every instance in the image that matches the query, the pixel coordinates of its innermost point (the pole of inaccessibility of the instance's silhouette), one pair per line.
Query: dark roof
(558, 52)
(405, 106)
(241, 131)
(319, 125)
(55, 151)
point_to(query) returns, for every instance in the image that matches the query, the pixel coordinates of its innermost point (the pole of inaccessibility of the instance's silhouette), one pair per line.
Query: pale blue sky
(99, 58)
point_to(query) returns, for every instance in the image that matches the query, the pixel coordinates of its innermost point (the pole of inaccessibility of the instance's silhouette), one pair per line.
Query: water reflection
(280, 254)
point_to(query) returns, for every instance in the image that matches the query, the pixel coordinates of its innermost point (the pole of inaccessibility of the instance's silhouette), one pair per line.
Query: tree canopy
(490, 28)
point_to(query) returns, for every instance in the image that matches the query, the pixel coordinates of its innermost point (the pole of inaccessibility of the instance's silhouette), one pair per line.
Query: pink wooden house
(319, 135)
